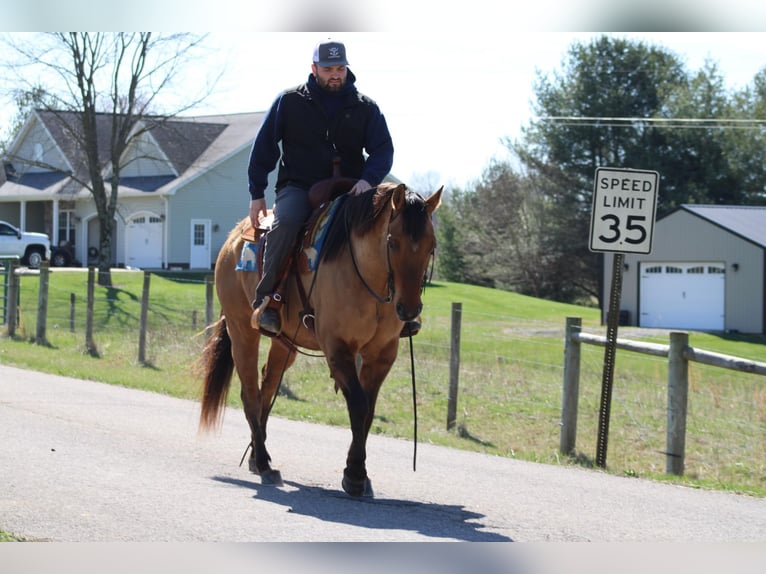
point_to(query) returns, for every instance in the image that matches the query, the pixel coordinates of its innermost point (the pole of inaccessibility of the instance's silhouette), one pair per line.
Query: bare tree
(81, 77)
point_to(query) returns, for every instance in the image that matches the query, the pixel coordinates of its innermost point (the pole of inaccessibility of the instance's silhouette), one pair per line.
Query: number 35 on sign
(624, 209)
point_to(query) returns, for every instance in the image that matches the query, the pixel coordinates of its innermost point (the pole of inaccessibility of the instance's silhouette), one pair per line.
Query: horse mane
(359, 213)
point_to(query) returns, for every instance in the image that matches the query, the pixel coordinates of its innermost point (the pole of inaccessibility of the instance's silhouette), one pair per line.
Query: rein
(377, 297)
(388, 299)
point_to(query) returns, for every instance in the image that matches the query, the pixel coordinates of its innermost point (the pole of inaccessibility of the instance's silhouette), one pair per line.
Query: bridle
(390, 282)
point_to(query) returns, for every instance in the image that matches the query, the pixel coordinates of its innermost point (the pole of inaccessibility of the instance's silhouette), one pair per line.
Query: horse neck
(371, 249)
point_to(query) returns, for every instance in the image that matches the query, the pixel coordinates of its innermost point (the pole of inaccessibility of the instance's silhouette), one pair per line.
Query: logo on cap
(330, 53)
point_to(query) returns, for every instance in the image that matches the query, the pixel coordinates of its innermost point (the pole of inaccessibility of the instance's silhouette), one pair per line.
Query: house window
(716, 269)
(673, 269)
(66, 228)
(699, 269)
(199, 234)
(654, 269)
(154, 219)
(139, 220)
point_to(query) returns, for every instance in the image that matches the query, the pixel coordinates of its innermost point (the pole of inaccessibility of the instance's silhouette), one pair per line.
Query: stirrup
(255, 318)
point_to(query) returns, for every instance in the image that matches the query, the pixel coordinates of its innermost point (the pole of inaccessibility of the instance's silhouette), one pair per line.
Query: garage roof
(749, 222)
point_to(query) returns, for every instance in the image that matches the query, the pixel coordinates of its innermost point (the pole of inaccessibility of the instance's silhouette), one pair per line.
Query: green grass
(8, 537)
(509, 401)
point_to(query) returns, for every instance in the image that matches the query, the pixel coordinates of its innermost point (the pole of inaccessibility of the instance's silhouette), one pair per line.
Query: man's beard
(337, 87)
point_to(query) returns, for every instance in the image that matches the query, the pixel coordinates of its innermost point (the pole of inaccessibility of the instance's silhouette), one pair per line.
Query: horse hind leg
(278, 361)
(244, 349)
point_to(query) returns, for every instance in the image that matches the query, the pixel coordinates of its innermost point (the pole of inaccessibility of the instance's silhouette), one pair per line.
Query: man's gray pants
(291, 210)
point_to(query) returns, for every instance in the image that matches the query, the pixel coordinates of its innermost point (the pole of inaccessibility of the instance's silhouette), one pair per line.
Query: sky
(452, 83)
(448, 105)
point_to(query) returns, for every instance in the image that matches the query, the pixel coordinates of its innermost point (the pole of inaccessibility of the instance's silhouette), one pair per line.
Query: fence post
(142, 321)
(11, 316)
(678, 391)
(72, 299)
(90, 345)
(571, 390)
(454, 364)
(42, 305)
(208, 303)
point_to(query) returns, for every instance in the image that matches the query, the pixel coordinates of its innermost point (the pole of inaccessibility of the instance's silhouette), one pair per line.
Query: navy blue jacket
(313, 128)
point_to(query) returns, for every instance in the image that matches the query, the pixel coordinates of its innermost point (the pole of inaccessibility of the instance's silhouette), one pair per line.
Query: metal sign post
(622, 220)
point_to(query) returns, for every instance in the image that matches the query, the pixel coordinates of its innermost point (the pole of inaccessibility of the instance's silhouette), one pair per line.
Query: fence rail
(679, 354)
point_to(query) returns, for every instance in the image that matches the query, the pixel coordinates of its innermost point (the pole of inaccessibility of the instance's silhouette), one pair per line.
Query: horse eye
(393, 244)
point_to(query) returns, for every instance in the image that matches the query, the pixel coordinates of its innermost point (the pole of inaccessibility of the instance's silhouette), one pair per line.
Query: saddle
(320, 196)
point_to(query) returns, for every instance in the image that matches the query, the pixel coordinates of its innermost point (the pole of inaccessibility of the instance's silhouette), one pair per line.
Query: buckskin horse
(368, 283)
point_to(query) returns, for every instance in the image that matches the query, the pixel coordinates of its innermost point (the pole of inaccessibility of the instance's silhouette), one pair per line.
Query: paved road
(83, 461)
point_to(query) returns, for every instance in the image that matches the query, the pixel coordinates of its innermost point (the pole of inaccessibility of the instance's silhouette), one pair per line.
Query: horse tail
(218, 366)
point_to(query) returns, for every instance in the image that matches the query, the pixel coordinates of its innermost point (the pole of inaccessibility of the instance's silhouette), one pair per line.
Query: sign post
(622, 221)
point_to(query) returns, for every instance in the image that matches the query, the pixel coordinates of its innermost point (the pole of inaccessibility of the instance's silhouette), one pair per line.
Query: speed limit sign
(624, 208)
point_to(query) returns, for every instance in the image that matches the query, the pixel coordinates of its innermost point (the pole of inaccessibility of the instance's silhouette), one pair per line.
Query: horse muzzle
(408, 312)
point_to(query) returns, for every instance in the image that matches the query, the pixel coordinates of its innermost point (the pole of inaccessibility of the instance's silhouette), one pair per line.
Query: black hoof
(268, 476)
(272, 478)
(357, 488)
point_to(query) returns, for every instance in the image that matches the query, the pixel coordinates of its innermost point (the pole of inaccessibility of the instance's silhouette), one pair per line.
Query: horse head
(411, 245)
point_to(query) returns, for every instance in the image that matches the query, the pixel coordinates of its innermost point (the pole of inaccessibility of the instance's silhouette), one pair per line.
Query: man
(306, 129)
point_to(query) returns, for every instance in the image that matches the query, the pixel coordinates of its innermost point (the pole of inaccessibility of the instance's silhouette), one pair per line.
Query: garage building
(706, 272)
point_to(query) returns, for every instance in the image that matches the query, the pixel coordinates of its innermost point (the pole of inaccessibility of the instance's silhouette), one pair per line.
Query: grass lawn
(509, 399)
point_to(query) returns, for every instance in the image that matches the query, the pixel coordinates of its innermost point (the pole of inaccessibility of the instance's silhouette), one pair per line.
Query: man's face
(332, 78)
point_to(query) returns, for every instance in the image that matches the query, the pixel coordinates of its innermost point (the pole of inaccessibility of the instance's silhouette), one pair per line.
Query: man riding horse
(309, 129)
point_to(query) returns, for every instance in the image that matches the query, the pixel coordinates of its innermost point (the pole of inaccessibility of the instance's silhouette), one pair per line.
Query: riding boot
(266, 318)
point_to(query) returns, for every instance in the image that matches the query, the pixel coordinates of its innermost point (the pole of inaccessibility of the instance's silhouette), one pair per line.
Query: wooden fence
(678, 352)
(11, 310)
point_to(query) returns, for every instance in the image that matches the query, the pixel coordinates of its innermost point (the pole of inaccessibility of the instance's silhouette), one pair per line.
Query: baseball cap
(330, 53)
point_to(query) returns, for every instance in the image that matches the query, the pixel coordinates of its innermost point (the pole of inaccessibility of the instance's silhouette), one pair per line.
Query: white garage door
(683, 295)
(143, 238)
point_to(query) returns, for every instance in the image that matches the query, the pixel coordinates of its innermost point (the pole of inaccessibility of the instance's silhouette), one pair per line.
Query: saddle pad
(248, 259)
(318, 233)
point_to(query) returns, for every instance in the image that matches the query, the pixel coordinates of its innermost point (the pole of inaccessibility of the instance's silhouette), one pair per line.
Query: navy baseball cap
(330, 53)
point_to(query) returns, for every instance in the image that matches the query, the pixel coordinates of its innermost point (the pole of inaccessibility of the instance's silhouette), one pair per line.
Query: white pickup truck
(31, 248)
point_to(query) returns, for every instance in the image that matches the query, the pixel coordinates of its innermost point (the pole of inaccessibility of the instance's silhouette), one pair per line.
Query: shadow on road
(429, 519)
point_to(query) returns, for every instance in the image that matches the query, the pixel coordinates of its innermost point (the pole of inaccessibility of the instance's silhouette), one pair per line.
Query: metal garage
(706, 272)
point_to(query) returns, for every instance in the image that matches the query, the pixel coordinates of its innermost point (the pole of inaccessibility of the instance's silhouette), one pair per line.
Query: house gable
(36, 151)
(144, 158)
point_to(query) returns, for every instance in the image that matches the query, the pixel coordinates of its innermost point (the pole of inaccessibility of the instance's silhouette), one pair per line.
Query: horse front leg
(343, 368)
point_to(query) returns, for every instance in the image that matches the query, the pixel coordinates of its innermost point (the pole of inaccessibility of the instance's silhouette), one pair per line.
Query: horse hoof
(272, 478)
(356, 488)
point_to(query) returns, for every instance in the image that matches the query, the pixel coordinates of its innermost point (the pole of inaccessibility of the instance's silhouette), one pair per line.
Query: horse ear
(434, 200)
(398, 197)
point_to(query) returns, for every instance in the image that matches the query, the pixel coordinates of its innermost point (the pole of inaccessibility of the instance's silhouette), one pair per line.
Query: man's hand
(257, 211)
(359, 187)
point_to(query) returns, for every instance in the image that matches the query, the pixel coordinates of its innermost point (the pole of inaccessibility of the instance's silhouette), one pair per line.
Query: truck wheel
(34, 258)
(60, 259)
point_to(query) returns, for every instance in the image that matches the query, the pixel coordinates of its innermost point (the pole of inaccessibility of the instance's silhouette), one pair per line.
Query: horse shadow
(429, 519)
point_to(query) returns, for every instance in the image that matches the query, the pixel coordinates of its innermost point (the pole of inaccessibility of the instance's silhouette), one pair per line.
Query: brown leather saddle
(320, 196)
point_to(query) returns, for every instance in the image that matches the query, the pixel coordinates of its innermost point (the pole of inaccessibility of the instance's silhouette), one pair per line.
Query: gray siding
(682, 236)
(220, 195)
